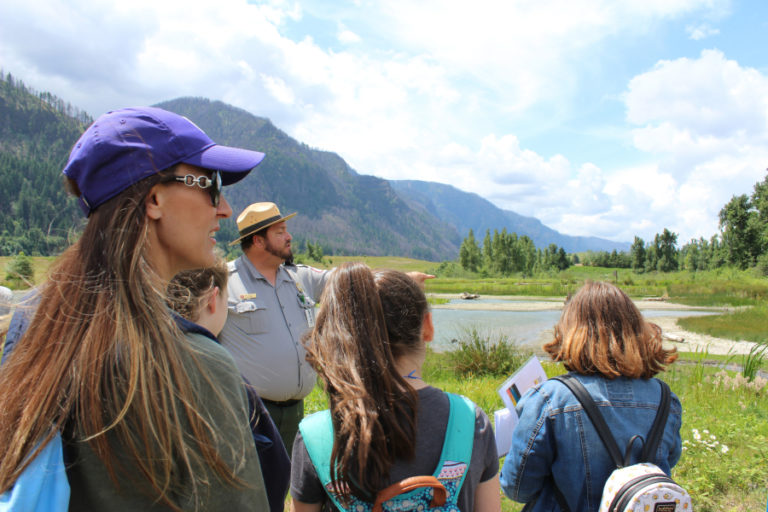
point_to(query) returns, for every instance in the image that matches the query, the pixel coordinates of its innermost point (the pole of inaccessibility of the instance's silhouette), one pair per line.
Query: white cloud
(707, 121)
(434, 100)
(278, 89)
(699, 32)
(346, 36)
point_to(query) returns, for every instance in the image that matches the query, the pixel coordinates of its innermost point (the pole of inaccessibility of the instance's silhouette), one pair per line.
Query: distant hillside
(466, 211)
(37, 131)
(346, 212)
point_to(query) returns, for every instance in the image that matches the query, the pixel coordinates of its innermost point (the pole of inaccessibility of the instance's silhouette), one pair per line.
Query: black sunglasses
(212, 184)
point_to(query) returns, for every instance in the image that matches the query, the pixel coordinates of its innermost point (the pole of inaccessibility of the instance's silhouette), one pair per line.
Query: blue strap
(459, 434)
(317, 434)
(43, 485)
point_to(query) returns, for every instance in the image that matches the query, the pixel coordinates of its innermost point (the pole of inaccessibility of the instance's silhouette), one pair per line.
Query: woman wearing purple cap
(151, 418)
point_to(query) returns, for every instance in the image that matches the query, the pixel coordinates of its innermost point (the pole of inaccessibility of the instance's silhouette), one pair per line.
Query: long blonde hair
(365, 321)
(103, 355)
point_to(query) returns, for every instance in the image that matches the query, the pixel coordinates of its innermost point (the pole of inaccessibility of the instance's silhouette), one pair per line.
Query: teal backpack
(436, 492)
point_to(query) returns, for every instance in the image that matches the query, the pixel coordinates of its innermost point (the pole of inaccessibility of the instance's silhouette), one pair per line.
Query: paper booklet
(505, 420)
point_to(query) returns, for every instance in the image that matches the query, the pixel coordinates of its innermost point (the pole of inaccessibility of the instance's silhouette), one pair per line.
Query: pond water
(529, 328)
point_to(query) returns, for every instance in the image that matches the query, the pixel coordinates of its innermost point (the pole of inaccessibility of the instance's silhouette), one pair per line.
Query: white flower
(696, 435)
(712, 437)
(724, 449)
(705, 431)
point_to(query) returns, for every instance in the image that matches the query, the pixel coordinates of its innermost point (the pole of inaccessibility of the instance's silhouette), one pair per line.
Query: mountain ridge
(479, 214)
(342, 210)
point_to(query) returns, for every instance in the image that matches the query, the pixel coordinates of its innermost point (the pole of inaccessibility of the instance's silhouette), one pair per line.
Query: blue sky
(609, 118)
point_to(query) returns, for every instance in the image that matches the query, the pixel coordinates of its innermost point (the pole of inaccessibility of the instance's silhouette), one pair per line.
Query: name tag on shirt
(245, 307)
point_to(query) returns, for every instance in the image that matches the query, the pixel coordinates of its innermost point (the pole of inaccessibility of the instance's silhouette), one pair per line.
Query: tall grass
(477, 353)
(753, 361)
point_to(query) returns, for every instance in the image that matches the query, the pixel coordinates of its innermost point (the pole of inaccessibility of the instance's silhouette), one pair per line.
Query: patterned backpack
(436, 492)
(641, 487)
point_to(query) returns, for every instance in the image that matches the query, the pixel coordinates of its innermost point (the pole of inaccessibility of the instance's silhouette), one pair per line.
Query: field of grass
(749, 324)
(377, 262)
(40, 266)
(725, 429)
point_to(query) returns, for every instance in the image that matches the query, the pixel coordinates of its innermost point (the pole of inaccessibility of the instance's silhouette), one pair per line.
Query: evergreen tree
(741, 235)
(469, 253)
(487, 251)
(666, 246)
(637, 254)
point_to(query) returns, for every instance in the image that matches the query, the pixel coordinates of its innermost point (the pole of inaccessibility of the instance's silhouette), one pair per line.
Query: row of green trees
(661, 255)
(505, 253)
(741, 243)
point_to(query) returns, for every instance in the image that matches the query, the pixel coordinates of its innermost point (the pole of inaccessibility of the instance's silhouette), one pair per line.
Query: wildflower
(724, 449)
(696, 435)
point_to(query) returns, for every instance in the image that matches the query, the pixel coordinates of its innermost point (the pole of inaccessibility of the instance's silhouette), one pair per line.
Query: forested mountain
(37, 131)
(468, 211)
(342, 211)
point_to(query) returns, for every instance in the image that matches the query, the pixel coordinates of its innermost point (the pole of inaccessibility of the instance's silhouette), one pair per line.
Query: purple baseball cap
(125, 146)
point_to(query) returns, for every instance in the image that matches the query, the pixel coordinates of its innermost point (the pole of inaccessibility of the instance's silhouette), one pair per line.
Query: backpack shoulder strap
(578, 389)
(659, 423)
(459, 434)
(317, 434)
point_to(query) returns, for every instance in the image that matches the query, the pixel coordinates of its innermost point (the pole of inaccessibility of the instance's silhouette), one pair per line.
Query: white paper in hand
(505, 421)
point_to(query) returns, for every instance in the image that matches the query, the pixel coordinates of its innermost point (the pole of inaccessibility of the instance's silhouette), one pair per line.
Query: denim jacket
(555, 442)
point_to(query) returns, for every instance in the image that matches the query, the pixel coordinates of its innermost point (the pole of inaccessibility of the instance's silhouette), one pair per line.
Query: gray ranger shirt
(265, 323)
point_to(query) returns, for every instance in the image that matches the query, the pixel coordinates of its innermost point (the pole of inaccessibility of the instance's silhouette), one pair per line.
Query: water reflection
(529, 328)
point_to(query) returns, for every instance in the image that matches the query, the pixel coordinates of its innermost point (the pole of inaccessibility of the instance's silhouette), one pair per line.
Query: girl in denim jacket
(556, 454)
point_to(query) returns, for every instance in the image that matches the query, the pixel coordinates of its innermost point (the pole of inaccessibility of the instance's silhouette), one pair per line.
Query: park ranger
(270, 306)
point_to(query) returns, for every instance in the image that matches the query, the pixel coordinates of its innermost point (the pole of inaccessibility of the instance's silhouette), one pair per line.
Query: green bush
(20, 269)
(482, 354)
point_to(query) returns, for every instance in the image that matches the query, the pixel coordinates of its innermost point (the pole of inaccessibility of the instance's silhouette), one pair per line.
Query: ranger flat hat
(256, 217)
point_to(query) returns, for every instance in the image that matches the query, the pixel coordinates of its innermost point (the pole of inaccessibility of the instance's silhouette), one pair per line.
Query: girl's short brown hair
(601, 331)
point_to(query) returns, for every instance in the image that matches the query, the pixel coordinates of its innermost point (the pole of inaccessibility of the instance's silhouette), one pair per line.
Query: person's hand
(420, 277)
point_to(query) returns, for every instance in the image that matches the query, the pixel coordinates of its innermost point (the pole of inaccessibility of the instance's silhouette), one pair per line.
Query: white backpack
(641, 487)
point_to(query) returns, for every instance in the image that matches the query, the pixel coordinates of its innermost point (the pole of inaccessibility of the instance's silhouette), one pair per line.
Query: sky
(607, 118)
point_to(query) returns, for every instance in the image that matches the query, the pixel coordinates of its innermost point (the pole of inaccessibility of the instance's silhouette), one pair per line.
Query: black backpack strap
(578, 389)
(657, 429)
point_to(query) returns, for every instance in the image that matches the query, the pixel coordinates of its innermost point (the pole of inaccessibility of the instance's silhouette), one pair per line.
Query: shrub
(20, 269)
(480, 354)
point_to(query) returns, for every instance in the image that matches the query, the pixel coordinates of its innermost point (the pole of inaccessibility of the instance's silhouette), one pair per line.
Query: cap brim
(234, 164)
